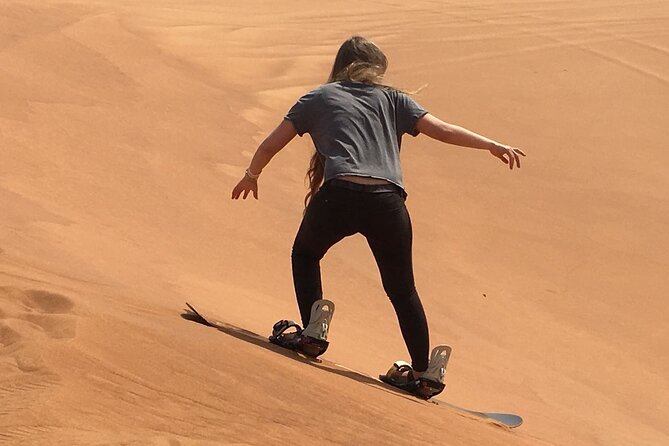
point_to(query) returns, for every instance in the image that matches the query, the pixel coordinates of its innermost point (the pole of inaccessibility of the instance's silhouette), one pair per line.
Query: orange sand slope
(125, 124)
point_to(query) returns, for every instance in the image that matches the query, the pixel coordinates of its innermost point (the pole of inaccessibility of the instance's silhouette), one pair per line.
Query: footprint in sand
(47, 302)
(32, 322)
(29, 319)
(50, 311)
(7, 335)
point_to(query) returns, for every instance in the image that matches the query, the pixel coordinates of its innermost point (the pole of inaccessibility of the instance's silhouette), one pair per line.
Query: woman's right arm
(274, 143)
(452, 134)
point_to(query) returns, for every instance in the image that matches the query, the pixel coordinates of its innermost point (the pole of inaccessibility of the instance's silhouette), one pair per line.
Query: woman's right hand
(245, 185)
(508, 154)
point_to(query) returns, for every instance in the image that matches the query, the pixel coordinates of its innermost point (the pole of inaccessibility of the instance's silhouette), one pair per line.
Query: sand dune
(124, 125)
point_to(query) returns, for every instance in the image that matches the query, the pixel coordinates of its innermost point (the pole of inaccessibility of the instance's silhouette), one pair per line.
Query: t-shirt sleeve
(408, 112)
(302, 114)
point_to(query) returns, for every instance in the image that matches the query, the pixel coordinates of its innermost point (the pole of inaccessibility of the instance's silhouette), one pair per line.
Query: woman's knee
(302, 253)
(402, 296)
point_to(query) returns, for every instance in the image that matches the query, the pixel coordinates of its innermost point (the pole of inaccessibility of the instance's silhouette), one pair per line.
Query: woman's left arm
(272, 145)
(452, 134)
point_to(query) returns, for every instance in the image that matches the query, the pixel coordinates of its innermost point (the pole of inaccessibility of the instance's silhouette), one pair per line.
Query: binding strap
(281, 326)
(296, 340)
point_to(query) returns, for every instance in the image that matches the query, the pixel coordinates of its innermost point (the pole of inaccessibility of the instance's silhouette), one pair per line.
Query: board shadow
(251, 337)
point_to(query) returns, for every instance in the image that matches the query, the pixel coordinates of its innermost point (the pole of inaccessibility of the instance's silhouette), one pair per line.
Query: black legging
(341, 208)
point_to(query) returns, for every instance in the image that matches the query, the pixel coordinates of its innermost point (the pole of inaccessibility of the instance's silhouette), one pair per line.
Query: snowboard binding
(310, 341)
(429, 384)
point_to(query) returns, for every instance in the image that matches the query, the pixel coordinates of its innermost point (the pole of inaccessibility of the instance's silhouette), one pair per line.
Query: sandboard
(504, 419)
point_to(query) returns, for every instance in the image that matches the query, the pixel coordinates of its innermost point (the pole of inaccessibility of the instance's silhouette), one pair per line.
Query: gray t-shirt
(357, 127)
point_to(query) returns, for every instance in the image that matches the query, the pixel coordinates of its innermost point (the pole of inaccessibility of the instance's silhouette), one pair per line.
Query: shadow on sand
(242, 334)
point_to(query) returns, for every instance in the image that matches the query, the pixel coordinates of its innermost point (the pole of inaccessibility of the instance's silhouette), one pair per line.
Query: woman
(356, 124)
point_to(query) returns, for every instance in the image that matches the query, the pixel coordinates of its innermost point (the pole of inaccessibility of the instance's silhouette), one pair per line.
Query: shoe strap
(281, 326)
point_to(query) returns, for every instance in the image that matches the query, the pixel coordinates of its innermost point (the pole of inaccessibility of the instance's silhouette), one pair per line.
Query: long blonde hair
(358, 60)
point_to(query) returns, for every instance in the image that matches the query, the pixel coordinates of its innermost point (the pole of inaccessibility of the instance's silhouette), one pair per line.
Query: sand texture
(125, 124)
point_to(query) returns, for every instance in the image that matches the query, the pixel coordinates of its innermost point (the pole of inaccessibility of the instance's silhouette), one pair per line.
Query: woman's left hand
(245, 185)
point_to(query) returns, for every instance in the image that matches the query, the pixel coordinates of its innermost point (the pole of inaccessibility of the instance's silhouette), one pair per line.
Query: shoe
(311, 341)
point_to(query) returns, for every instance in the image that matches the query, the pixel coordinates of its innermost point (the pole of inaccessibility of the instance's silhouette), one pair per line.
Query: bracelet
(252, 176)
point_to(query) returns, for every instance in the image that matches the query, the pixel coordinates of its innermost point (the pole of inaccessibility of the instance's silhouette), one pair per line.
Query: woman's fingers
(253, 187)
(236, 191)
(517, 152)
(512, 154)
(245, 187)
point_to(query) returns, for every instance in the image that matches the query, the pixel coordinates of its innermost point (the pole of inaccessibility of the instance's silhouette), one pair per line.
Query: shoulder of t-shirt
(316, 91)
(392, 93)
(328, 88)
